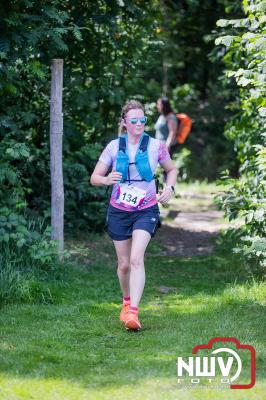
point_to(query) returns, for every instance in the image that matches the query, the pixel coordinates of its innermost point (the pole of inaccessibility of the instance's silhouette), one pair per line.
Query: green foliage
(245, 61)
(191, 78)
(101, 45)
(27, 257)
(112, 51)
(20, 287)
(85, 204)
(18, 282)
(182, 163)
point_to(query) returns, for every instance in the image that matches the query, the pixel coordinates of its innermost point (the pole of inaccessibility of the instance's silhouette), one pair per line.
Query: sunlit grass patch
(76, 348)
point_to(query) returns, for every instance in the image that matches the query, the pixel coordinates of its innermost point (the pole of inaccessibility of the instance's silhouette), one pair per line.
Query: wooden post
(56, 166)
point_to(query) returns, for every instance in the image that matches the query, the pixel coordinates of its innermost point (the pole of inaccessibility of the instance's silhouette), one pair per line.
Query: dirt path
(189, 225)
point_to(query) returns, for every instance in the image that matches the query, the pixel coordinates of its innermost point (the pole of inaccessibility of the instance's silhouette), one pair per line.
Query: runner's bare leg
(140, 240)
(123, 249)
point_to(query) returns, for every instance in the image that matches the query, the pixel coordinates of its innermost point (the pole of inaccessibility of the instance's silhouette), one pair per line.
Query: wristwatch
(170, 188)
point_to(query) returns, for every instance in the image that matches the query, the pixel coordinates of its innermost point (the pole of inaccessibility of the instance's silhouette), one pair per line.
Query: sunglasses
(142, 120)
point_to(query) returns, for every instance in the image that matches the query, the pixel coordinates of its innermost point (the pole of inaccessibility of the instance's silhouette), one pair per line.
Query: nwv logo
(227, 361)
(206, 366)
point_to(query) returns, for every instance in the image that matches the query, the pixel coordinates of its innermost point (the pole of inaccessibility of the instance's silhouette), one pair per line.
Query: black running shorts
(121, 224)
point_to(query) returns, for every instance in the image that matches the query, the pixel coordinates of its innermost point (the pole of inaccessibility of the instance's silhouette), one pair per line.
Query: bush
(85, 204)
(28, 259)
(246, 196)
(21, 285)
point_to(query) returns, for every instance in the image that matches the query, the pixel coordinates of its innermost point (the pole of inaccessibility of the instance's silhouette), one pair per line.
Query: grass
(77, 349)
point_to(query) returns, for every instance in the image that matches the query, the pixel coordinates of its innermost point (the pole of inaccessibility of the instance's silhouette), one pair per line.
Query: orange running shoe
(124, 311)
(132, 321)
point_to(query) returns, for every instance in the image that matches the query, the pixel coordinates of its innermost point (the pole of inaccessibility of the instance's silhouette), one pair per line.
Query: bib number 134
(130, 195)
(127, 197)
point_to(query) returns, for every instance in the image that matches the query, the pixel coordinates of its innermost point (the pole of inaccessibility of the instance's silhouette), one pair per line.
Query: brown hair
(130, 105)
(166, 106)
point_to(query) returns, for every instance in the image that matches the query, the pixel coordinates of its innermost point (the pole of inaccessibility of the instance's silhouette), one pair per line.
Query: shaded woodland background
(115, 50)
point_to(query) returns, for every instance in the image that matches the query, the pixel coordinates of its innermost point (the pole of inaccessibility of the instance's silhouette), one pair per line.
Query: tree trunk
(166, 22)
(56, 167)
(165, 77)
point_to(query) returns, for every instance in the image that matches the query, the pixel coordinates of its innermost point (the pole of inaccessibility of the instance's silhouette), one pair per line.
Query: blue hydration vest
(141, 160)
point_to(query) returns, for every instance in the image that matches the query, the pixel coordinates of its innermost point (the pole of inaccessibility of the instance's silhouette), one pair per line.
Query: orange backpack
(183, 127)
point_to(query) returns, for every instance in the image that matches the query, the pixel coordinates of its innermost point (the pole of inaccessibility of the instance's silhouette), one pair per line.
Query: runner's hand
(113, 177)
(164, 196)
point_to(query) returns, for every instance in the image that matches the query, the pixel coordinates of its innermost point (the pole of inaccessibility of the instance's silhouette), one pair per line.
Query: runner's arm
(171, 172)
(172, 127)
(171, 175)
(98, 177)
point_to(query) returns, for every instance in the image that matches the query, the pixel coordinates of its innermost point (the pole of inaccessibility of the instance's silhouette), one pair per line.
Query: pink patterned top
(157, 152)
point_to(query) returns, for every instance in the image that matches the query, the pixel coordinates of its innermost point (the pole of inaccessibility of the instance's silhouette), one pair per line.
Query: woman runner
(133, 213)
(166, 125)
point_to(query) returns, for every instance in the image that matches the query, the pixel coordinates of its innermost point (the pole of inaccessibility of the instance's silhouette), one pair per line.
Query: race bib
(130, 195)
